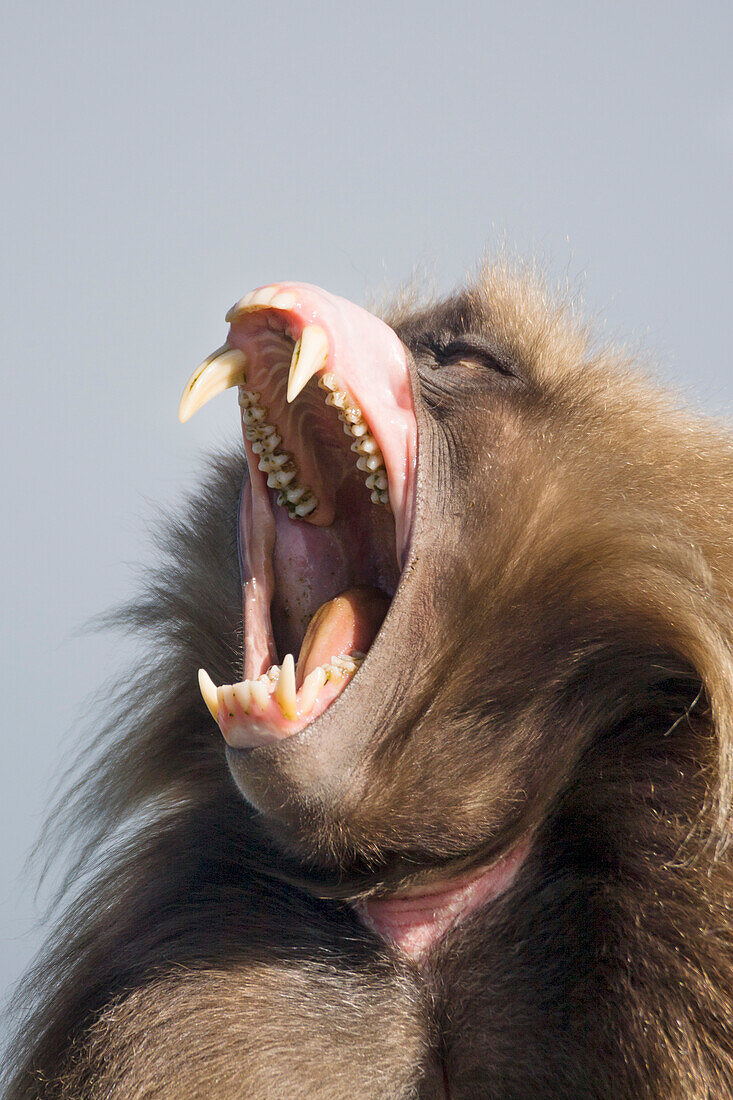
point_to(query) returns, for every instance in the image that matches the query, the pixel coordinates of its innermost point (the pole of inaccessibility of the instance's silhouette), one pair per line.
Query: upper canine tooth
(285, 688)
(309, 356)
(222, 369)
(208, 691)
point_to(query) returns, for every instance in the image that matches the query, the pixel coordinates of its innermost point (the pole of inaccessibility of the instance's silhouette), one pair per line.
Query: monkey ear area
(325, 516)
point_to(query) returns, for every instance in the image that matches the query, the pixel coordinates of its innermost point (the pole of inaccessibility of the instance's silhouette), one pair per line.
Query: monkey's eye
(468, 350)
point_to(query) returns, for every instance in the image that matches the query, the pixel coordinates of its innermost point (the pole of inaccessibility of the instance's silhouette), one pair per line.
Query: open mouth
(330, 438)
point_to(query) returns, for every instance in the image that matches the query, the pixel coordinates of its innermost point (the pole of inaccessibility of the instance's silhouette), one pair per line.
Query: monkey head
(448, 599)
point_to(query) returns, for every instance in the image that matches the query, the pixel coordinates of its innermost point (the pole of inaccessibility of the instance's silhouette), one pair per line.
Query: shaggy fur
(569, 676)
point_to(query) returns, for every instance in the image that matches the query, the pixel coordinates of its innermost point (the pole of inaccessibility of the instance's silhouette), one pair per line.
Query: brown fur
(568, 616)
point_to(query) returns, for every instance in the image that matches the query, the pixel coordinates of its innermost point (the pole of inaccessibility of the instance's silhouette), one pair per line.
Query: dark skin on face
(538, 741)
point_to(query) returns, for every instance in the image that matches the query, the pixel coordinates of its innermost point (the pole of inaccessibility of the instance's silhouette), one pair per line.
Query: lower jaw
(415, 920)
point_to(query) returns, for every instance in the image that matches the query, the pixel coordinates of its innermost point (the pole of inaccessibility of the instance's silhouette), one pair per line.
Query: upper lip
(358, 354)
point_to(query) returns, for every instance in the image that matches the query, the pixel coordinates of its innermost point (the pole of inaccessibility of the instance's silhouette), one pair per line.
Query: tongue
(346, 624)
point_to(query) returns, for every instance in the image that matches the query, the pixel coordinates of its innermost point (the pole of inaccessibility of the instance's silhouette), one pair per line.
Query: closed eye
(470, 350)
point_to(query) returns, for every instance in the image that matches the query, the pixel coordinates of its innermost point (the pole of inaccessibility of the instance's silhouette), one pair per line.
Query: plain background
(161, 159)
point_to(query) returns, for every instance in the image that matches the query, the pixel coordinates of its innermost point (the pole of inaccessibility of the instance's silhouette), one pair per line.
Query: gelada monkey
(461, 609)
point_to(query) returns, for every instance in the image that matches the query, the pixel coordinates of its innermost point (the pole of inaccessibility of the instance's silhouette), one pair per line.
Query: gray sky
(161, 159)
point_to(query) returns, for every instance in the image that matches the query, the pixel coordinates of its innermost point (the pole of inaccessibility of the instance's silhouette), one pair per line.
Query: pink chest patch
(415, 920)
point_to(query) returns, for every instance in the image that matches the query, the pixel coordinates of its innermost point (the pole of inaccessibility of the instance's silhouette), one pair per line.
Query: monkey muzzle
(326, 511)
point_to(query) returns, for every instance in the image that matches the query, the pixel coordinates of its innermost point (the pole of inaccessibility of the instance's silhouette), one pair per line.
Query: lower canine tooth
(208, 691)
(285, 689)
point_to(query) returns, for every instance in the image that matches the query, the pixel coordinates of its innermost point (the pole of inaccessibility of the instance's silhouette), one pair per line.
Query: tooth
(260, 299)
(312, 684)
(225, 698)
(309, 356)
(377, 481)
(306, 507)
(285, 689)
(345, 662)
(281, 479)
(271, 463)
(259, 693)
(279, 460)
(352, 414)
(221, 370)
(370, 463)
(328, 381)
(259, 432)
(208, 691)
(267, 445)
(367, 445)
(252, 415)
(284, 300)
(337, 399)
(243, 695)
(359, 429)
